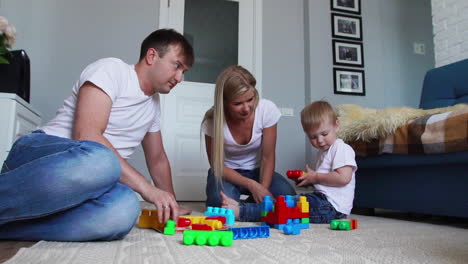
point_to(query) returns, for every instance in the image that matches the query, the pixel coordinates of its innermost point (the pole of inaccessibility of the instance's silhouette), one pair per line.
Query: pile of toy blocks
(288, 213)
(214, 228)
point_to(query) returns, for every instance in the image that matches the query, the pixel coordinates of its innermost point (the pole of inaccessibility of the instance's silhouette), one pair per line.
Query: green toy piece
(343, 224)
(211, 238)
(170, 228)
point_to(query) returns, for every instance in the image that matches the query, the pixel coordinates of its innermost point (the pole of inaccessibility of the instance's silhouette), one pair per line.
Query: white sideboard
(17, 118)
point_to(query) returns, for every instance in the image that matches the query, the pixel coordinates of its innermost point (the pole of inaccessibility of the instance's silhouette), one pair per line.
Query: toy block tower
(287, 213)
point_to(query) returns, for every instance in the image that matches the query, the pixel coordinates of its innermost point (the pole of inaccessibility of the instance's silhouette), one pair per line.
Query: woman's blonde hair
(317, 113)
(231, 83)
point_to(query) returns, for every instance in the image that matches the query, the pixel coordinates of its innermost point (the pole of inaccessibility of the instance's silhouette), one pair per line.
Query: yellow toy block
(303, 204)
(149, 219)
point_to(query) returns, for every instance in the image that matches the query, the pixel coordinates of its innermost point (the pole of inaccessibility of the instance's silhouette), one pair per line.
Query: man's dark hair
(162, 39)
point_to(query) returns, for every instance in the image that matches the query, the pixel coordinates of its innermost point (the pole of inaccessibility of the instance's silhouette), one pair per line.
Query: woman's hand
(308, 179)
(258, 191)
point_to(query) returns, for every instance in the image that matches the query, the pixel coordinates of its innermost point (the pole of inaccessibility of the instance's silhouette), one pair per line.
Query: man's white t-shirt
(132, 115)
(338, 155)
(248, 156)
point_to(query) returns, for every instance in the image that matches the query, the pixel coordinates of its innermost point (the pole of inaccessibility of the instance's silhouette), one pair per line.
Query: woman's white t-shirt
(338, 155)
(132, 115)
(248, 156)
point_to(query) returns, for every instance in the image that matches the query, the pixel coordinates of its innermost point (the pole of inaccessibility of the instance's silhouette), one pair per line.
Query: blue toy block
(292, 229)
(290, 202)
(267, 203)
(217, 211)
(247, 232)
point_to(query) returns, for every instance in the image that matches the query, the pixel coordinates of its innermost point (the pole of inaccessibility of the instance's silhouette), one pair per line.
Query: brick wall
(450, 21)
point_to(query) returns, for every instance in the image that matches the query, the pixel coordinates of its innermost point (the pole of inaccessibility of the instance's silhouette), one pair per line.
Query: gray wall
(63, 36)
(393, 73)
(284, 75)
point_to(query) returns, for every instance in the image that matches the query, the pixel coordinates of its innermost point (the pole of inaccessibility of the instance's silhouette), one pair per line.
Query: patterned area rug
(377, 240)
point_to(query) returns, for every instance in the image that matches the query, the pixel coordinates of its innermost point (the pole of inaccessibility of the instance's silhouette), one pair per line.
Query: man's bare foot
(230, 203)
(184, 211)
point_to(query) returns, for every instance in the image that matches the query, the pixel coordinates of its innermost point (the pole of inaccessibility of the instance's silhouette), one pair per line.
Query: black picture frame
(346, 26)
(348, 53)
(349, 81)
(347, 6)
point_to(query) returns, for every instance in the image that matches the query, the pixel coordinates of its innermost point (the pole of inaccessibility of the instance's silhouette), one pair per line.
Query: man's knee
(118, 218)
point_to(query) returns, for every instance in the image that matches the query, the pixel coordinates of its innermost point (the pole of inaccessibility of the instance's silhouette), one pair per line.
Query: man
(70, 181)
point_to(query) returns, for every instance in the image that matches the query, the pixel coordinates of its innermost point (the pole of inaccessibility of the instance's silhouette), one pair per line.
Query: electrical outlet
(419, 48)
(287, 111)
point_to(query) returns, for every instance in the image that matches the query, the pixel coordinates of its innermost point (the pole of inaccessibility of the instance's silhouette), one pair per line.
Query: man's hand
(166, 205)
(258, 191)
(310, 178)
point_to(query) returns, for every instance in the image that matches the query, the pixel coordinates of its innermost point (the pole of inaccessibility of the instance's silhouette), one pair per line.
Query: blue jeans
(279, 186)
(58, 189)
(321, 211)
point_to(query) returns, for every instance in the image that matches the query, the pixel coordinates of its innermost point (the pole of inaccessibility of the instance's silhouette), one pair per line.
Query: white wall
(63, 36)
(450, 20)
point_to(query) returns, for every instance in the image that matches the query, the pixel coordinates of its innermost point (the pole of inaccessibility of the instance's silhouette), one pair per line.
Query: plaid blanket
(431, 134)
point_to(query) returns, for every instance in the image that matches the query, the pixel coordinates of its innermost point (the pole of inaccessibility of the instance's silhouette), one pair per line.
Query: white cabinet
(17, 118)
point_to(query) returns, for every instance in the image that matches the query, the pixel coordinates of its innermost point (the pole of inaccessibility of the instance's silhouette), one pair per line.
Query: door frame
(253, 62)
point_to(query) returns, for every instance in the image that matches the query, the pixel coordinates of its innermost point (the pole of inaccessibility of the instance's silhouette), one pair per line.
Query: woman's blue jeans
(58, 189)
(279, 186)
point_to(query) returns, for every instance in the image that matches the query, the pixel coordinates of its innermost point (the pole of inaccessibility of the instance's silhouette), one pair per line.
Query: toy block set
(287, 213)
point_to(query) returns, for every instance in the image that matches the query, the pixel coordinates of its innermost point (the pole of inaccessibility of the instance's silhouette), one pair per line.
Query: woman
(240, 136)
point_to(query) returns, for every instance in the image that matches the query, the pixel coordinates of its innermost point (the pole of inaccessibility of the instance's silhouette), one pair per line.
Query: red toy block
(201, 227)
(294, 174)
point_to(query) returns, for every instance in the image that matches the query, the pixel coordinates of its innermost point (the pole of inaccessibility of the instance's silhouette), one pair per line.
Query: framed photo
(348, 6)
(347, 53)
(349, 81)
(348, 27)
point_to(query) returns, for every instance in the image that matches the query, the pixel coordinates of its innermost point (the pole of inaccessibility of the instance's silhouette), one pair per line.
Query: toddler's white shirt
(338, 155)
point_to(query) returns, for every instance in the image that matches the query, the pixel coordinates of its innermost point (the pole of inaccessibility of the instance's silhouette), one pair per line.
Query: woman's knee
(281, 186)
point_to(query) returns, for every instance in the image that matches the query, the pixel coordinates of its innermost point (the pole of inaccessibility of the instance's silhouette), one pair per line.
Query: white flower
(10, 34)
(3, 24)
(9, 31)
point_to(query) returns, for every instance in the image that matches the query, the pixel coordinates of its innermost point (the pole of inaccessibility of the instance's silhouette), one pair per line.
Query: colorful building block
(149, 219)
(246, 232)
(217, 211)
(295, 174)
(288, 214)
(211, 238)
(344, 224)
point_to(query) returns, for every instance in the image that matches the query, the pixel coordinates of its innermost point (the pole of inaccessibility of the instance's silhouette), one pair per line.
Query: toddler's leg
(320, 209)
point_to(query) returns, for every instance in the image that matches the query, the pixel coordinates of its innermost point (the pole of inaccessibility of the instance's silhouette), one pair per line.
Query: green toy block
(343, 224)
(264, 213)
(170, 228)
(211, 238)
(305, 220)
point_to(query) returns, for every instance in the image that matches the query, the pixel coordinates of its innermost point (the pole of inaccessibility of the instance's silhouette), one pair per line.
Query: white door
(222, 33)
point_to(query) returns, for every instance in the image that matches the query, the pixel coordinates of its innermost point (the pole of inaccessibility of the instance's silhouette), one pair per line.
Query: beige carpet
(378, 240)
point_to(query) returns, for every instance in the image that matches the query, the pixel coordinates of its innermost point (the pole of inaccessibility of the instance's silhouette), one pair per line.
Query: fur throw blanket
(366, 124)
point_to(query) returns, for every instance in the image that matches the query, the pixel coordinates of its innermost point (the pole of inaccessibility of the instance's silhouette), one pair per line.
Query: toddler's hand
(309, 178)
